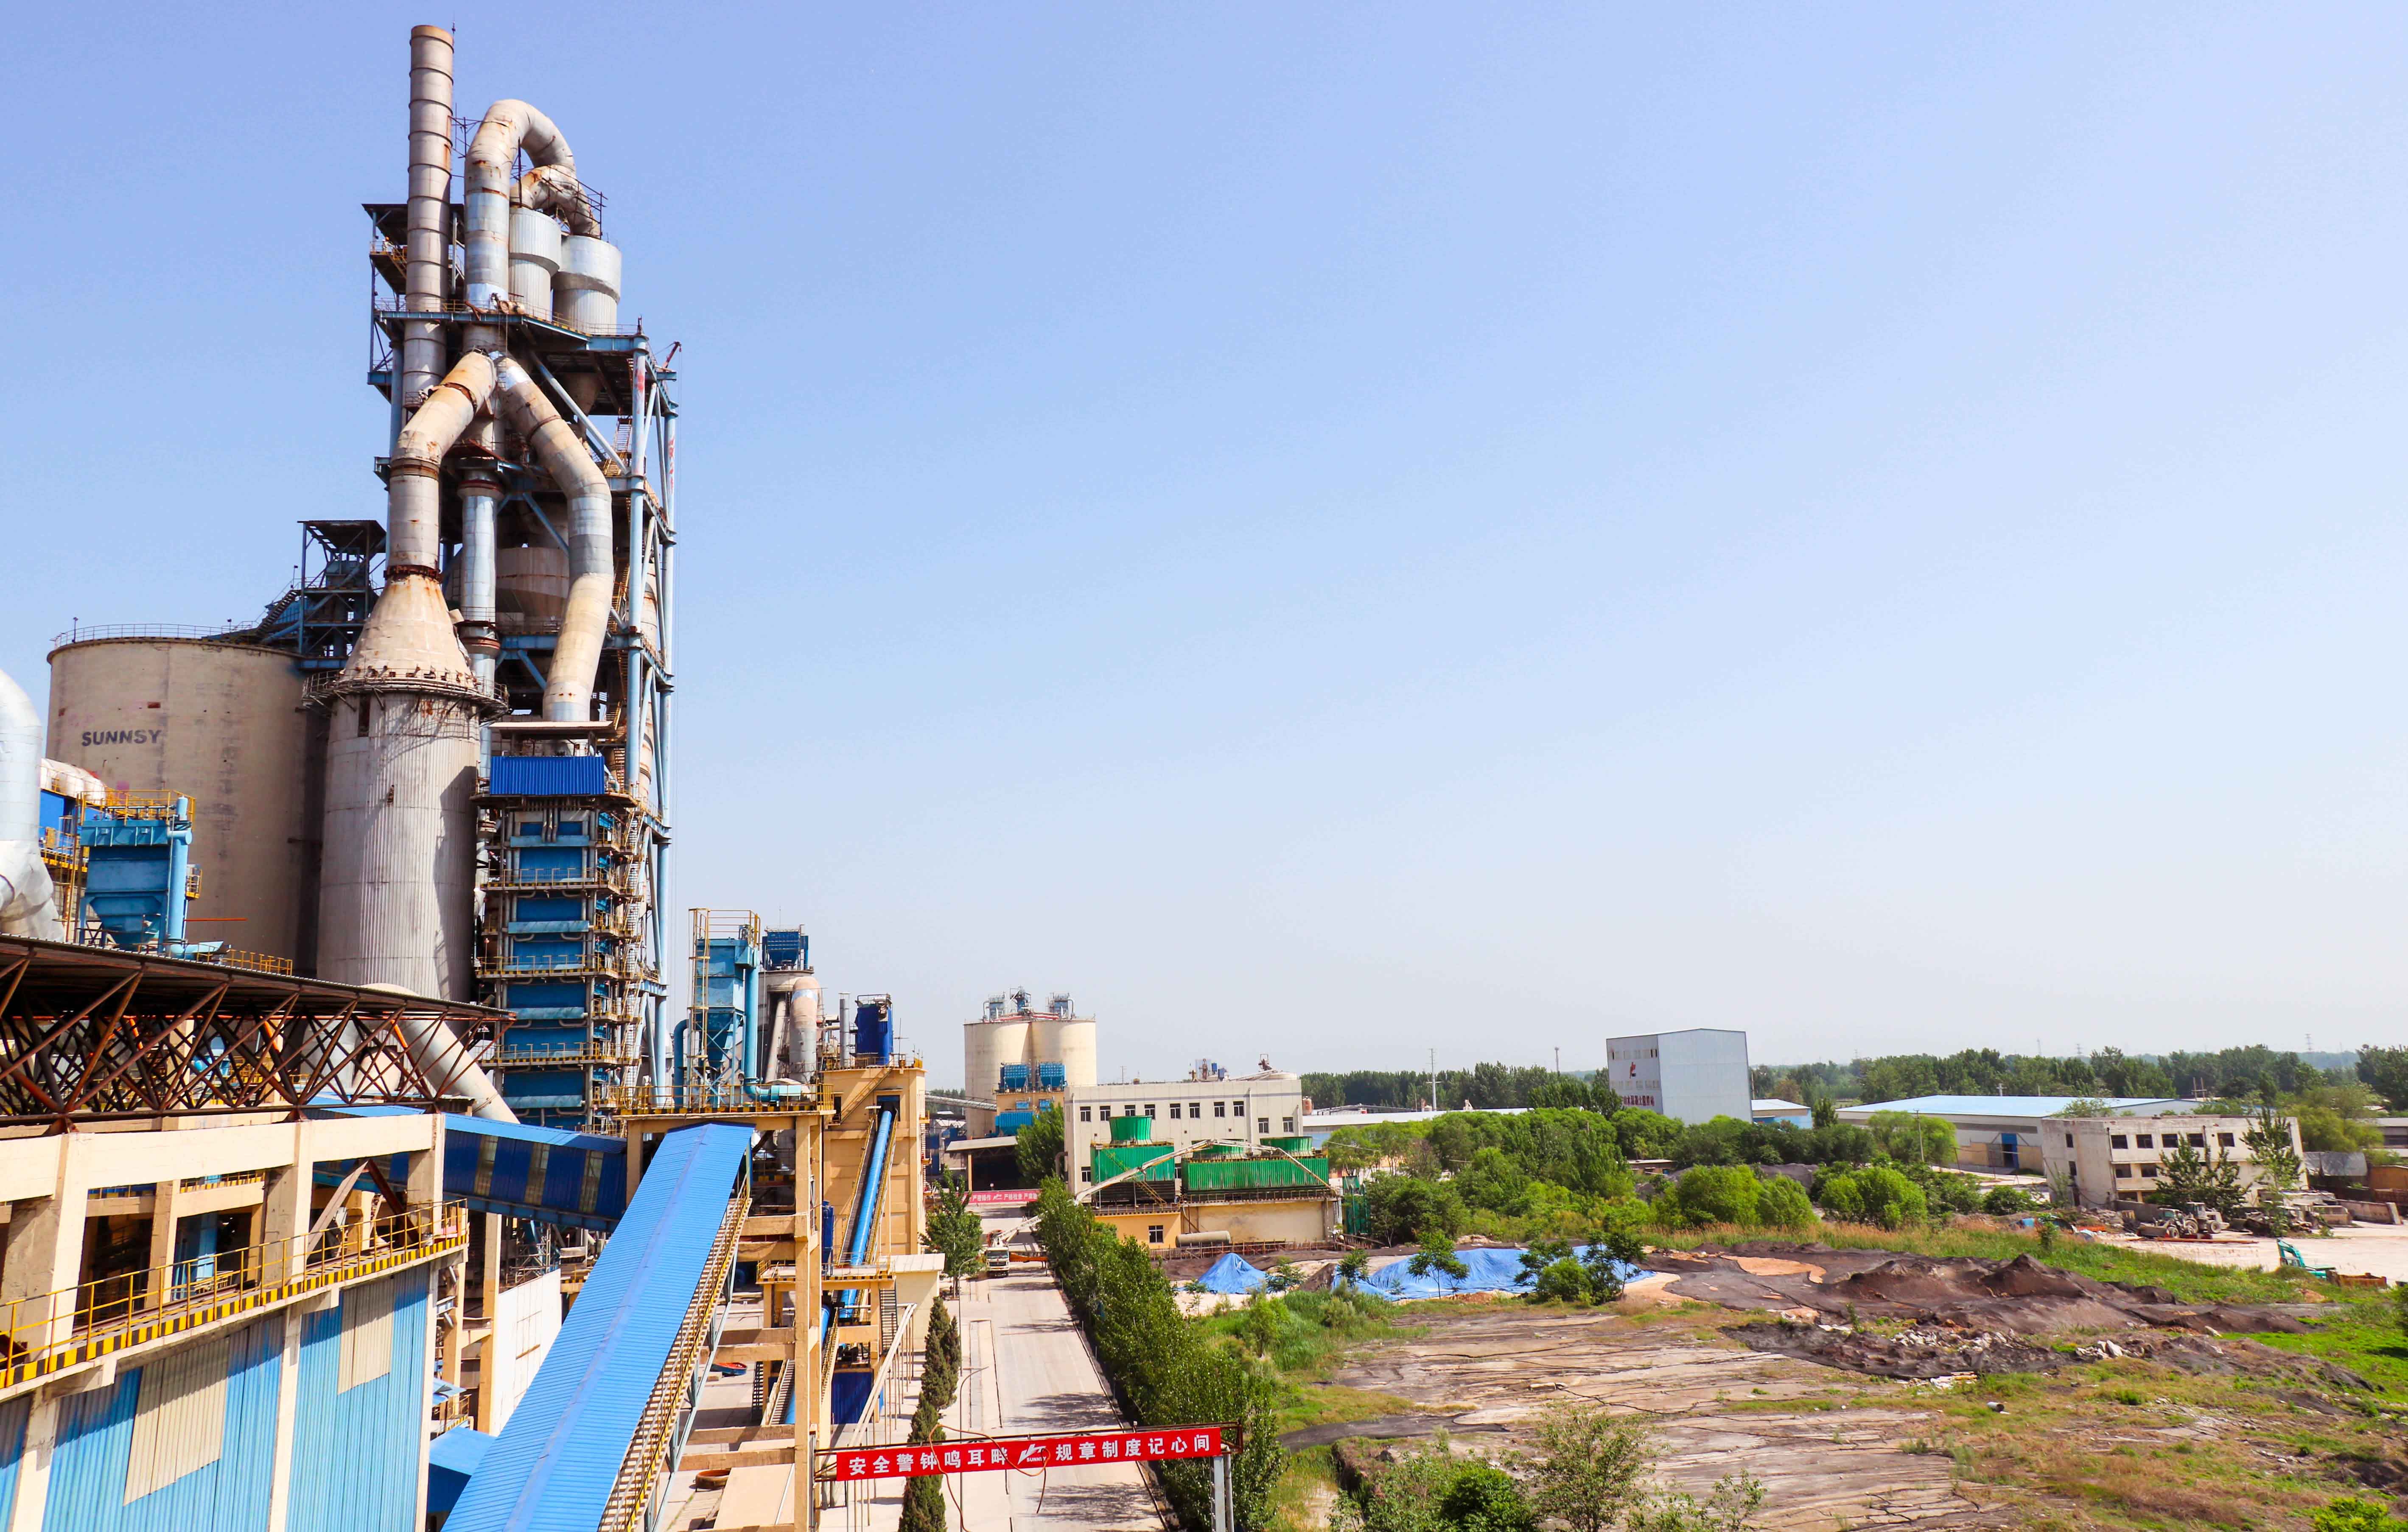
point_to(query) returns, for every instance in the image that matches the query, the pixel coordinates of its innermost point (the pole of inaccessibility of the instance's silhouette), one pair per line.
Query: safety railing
(454, 309)
(250, 962)
(637, 1488)
(695, 1099)
(555, 1058)
(81, 635)
(48, 1331)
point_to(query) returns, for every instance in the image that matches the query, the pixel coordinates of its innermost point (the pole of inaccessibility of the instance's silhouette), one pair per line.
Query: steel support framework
(90, 1033)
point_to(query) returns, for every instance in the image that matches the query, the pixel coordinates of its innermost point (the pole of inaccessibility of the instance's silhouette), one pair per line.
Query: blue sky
(1336, 532)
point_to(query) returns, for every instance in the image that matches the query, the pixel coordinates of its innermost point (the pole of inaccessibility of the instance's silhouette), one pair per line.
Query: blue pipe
(864, 1206)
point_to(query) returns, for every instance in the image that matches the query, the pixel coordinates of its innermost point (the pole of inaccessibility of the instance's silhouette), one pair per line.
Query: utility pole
(1559, 1061)
(1433, 1106)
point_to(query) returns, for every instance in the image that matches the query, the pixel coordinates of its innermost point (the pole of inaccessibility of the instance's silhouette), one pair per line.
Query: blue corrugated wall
(97, 1438)
(12, 1445)
(355, 1452)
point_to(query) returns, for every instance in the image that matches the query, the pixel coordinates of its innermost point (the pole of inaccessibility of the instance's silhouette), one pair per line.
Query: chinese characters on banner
(1029, 1452)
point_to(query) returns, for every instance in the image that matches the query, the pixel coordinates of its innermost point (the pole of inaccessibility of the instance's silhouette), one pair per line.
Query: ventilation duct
(29, 905)
(577, 654)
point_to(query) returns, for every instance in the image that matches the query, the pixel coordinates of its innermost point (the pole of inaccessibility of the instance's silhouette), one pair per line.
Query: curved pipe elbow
(577, 654)
(445, 416)
(413, 493)
(555, 189)
(508, 126)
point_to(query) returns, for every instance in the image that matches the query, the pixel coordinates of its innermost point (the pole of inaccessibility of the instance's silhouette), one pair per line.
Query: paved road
(1026, 1369)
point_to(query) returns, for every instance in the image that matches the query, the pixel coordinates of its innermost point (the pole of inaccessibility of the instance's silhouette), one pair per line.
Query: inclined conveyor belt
(552, 1467)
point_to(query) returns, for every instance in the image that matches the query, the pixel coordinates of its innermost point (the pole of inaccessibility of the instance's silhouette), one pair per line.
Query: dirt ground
(1869, 1390)
(1481, 1371)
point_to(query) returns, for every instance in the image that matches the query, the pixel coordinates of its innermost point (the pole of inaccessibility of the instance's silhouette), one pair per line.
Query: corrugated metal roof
(552, 1468)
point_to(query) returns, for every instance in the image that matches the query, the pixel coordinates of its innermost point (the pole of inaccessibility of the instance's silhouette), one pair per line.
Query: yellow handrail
(47, 1331)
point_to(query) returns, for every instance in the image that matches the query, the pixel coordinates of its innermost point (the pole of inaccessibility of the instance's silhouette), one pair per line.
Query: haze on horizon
(1337, 533)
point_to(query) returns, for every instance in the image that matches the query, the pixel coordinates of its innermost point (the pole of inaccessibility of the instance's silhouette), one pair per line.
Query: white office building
(1693, 1076)
(1187, 1112)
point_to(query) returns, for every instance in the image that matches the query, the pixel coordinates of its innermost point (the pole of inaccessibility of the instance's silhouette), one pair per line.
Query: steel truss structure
(90, 1033)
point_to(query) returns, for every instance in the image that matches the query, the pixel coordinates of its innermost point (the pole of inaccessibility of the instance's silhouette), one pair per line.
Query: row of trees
(1973, 1071)
(941, 1383)
(1165, 1372)
(2109, 1072)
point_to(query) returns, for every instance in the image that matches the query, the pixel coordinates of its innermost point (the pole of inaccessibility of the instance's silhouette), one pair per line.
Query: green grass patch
(1300, 1333)
(1307, 1487)
(2360, 1334)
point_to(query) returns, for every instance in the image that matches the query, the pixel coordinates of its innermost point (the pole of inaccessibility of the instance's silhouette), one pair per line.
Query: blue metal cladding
(489, 1166)
(12, 1444)
(552, 1468)
(849, 1394)
(548, 777)
(95, 1443)
(355, 1463)
(451, 1460)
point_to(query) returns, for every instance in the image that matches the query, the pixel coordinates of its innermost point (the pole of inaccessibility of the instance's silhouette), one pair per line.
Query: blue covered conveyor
(576, 1181)
(552, 1467)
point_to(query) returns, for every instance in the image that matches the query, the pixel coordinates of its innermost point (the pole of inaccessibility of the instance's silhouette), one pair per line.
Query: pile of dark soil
(1942, 1351)
(2019, 1296)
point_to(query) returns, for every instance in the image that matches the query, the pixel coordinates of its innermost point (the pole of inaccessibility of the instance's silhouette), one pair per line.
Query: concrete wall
(223, 725)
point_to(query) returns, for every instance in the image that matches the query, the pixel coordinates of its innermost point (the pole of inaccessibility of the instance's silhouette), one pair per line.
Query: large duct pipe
(29, 905)
(426, 255)
(508, 127)
(414, 475)
(444, 1060)
(577, 656)
(480, 495)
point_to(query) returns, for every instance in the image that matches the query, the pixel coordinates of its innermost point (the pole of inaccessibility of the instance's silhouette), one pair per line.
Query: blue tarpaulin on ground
(1484, 1272)
(1232, 1274)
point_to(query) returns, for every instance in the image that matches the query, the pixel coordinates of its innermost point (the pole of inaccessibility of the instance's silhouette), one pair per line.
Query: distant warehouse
(1693, 1076)
(2004, 1132)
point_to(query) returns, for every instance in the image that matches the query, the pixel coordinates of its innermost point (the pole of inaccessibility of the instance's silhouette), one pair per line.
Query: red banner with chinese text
(1084, 1450)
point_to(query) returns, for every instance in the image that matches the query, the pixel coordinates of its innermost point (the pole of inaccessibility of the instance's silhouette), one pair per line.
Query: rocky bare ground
(1481, 1373)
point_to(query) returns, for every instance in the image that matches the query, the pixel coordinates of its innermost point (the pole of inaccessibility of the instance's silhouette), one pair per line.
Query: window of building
(2198, 1140)
(1128, 1110)
(1149, 1109)
(1086, 1114)
(1262, 1125)
(1174, 1112)
(2146, 1142)
(1087, 1173)
(2224, 1140)
(2069, 1140)
(1287, 1125)
(2122, 1171)
(1220, 1108)
(2117, 1141)
(2149, 1172)
(1154, 1234)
